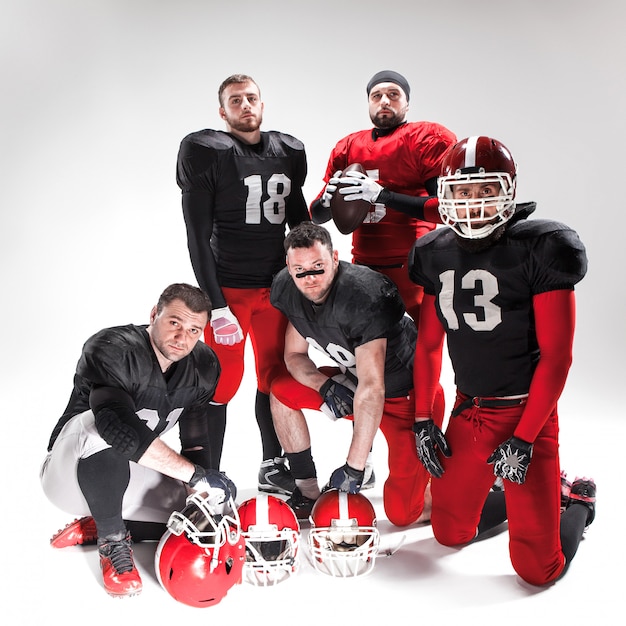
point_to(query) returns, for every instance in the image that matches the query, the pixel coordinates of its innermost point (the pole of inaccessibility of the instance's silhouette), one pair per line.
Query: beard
(478, 245)
(388, 122)
(249, 125)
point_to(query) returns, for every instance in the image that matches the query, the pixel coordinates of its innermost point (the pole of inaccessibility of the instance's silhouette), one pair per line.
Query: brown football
(348, 215)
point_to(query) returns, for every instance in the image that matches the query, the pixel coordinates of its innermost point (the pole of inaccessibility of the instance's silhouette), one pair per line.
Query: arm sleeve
(297, 210)
(424, 208)
(554, 321)
(198, 214)
(428, 353)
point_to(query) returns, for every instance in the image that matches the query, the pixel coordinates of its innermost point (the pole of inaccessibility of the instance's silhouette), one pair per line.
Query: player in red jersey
(401, 159)
(500, 288)
(404, 158)
(240, 189)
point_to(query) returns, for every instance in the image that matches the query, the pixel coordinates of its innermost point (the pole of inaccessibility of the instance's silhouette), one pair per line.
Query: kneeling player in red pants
(355, 316)
(500, 288)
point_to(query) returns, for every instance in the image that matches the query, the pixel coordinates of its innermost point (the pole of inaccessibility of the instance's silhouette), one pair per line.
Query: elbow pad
(123, 430)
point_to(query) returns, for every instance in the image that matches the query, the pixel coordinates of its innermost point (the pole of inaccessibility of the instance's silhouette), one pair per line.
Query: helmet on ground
(272, 534)
(201, 555)
(476, 188)
(343, 539)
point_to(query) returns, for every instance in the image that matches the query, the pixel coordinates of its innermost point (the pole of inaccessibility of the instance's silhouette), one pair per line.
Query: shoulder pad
(557, 246)
(287, 140)
(207, 366)
(115, 356)
(374, 296)
(279, 284)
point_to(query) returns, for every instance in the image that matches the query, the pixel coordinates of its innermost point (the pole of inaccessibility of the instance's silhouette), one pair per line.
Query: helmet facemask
(475, 218)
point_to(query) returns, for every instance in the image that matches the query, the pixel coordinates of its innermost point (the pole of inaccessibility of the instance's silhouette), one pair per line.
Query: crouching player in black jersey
(501, 289)
(106, 461)
(355, 316)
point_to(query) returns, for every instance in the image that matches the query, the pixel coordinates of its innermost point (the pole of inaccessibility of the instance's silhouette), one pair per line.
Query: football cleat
(566, 487)
(275, 477)
(79, 532)
(119, 574)
(301, 505)
(583, 491)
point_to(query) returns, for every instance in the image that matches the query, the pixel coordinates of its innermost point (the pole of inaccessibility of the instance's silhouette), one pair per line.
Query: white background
(96, 96)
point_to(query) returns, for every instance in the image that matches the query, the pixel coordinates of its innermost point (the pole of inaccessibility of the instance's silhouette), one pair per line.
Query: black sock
(493, 513)
(216, 416)
(103, 479)
(573, 522)
(269, 440)
(301, 464)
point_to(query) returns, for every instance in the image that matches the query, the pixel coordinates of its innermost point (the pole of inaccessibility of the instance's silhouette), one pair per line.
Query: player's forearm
(304, 370)
(368, 410)
(160, 457)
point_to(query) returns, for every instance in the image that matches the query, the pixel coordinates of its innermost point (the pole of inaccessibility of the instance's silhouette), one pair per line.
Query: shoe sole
(273, 489)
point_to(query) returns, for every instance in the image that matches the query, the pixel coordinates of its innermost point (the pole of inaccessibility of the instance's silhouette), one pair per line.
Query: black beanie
(389, 76)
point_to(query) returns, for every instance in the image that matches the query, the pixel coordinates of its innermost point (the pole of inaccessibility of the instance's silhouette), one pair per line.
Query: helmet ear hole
(200, 557)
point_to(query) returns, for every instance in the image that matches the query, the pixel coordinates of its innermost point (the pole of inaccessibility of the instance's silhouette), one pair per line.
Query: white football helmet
(472, 162)
(272, 534)
(343, 539)
(201, 555)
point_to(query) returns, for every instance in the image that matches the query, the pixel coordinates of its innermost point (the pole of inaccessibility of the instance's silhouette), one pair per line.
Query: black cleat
(301, 505)
(275, 477)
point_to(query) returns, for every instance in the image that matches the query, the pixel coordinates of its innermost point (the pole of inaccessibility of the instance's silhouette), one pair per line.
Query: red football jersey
(401, 161)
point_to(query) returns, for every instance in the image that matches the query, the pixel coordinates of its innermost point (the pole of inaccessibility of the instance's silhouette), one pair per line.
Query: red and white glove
(226, 329)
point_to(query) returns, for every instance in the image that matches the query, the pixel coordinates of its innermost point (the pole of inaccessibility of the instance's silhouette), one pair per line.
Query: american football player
(500, 288)
(401, 159)
(356, 317)
(240, 188)
(106, 461)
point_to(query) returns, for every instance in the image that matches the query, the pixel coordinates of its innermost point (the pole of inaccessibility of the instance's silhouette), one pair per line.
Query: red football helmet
(272, 532)
(476, 188)
(201, 555)
(343, 538)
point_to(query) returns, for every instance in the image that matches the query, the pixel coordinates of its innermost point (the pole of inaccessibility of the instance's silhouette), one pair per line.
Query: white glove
(361, 187)
(226, 329)
(329, 190)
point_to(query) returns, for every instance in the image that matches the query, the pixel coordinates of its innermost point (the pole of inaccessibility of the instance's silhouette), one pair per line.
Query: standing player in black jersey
(240, 188)
(500, 288)
(355, 316)
(105, 458)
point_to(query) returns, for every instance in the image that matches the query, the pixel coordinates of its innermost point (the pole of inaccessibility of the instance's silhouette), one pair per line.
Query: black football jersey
(362, 305)
(238, 199)
(122, 357)
(484, 299)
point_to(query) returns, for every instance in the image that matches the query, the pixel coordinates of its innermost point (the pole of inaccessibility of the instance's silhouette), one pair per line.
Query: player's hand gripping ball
(348, 215)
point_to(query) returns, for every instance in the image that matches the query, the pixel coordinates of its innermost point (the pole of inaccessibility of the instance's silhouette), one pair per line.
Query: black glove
(346, 478)
(212, 480)
(511, 459)
(428, 437)
(338, 398)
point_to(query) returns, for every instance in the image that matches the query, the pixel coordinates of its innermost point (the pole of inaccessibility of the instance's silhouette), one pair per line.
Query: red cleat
(80, 532)
(119, 574)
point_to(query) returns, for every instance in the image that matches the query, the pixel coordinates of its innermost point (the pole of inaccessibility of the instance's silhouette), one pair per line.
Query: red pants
(266, 327)
(532, 508)
(403, 493)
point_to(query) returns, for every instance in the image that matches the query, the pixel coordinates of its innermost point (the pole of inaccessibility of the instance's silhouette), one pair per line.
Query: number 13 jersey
(484, 299)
